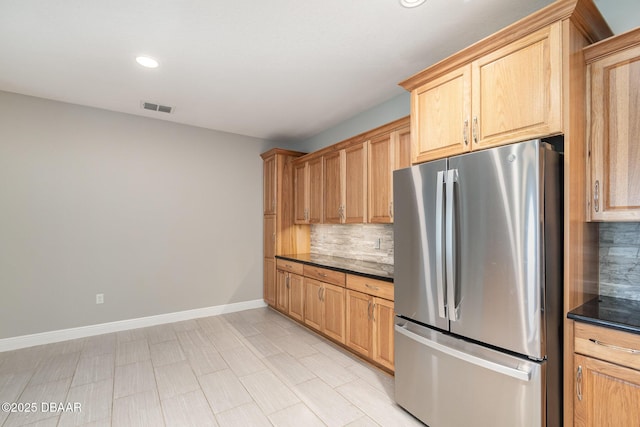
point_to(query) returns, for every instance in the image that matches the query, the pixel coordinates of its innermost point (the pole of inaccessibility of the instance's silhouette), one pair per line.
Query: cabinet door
(440, 116)
(270, 281)
(269, 249)
(402, 148)
(300, 193)
(605, 394)
(314, 191)
(381, 160)
(270, 185)
(359, 324)
(332, 187)
(333, 324)
(282, 291)
(614, 130)
(355, 184)
(296, 297)
(383, 321)
(313, 303)
(516, 90)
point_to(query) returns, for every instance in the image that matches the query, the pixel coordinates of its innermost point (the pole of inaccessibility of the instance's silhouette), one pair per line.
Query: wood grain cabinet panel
(606, 394)
(387, 152)
(613, 128)
(324, 308)
(369, 329)
(607, 377)
(354, 181)
(441, 115)
(332, 187)
(296, 297)
(308, 193)
(515, 90)
(510, 94)
(280, 236)
(282, 291)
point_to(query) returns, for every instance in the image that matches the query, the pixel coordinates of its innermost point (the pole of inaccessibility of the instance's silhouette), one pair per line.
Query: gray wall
(157, 216)
(379, 115)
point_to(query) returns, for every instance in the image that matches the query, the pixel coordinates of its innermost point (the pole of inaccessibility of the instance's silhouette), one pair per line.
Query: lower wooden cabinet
(324, 308)
(370, 327)
(270, 281)
(606, 394)
(353, 310)
(607, 377)
(296, 297)
(282, 291)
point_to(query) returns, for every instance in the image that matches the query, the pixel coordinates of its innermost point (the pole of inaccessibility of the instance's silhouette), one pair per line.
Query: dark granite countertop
(373, 270)
(610, 312)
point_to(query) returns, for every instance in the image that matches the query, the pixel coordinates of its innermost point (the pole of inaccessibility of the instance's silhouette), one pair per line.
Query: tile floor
(250, 368)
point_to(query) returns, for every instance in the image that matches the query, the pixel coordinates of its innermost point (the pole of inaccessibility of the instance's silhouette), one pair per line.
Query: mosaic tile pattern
(620, 260)
(356, 241)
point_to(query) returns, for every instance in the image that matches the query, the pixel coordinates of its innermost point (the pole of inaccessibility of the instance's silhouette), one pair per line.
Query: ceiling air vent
(156, 107)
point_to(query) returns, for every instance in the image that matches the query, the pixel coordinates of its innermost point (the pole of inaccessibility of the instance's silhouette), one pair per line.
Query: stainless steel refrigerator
(478, 288)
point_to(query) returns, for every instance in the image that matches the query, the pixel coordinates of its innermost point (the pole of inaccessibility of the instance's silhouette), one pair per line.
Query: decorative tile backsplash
(620, 260)
(357, 241)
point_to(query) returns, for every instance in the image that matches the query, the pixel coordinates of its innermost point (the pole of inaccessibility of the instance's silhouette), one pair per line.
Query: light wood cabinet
(607, 377)
(290, 290)
(280, 235)
(441, 115)
(296, 297)
(370, 319)
(613, 126)
(332, 187)
(269, 289)
(387, 152)
(345, 185)
(270, 184)
(324, 308)
(308, 194)
(282, 291)
(508, 95)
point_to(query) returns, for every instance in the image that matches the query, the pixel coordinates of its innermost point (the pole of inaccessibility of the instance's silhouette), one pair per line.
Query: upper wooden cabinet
(308, 195)
(345, 184)
(507, 95)
(269, 184)
(613, 127)
(387, 152)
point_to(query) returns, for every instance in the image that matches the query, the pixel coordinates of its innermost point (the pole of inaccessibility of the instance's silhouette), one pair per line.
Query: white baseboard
(24, 341)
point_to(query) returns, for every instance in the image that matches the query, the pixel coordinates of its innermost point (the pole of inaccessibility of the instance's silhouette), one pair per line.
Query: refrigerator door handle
(442, 304)
(469, 358)
(452, 178)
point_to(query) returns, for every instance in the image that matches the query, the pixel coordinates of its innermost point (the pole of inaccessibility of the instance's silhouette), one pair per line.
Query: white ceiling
(274, 69)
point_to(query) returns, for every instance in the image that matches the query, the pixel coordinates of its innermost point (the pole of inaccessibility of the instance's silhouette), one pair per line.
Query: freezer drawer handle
(615, 347)
(478, 361)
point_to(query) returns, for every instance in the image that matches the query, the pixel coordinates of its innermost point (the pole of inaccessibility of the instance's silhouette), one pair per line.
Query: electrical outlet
(378, 243)
(99, 298)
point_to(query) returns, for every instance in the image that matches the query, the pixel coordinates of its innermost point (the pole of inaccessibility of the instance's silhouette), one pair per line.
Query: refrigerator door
(446, 382)
(418, 201)
(494, 240)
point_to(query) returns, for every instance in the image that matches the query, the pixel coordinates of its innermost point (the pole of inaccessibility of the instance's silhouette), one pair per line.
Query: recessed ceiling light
(146, 61)
(411, 3)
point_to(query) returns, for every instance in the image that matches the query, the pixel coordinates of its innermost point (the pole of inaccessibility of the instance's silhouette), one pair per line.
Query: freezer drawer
(448, 382)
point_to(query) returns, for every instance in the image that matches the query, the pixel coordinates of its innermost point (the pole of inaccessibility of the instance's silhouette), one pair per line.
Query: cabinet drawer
(325, 275)
(290, 266)
(378, 288)
(607, 344)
